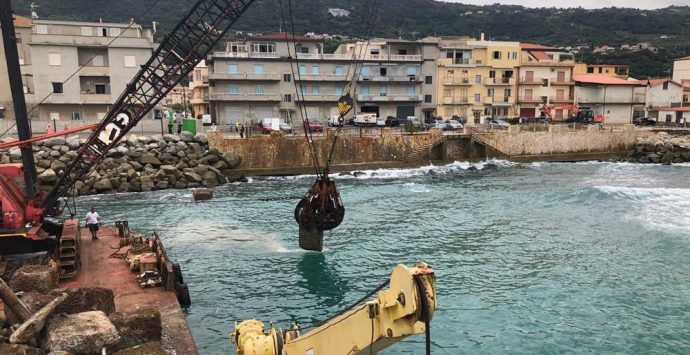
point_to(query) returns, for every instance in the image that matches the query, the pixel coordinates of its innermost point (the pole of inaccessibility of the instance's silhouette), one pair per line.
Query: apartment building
(76, 70)
(199, 90)
(22, 29)
(254, 79)
(681, 74)
(476, 78)
(612, 97)
(545, 78)
(659, 93)
(614, 70)
(177, 97)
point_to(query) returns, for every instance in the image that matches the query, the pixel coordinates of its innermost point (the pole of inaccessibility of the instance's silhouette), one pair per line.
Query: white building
(661, 93)
(674, 114)
(612, 97)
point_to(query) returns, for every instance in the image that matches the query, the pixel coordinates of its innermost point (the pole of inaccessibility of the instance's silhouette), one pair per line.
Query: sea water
(530, 258)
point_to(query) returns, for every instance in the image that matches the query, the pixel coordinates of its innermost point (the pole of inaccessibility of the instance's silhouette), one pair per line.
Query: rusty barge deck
(99, 269)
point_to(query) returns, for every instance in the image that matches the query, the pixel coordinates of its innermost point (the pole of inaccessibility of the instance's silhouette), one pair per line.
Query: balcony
(499, 81)
(94, 71)
(90, 41)
(104, 99)
(456, 81)
(388, 79)
(390, 98)
(561, 83)
(304, 77)
(560, 99)
(499, 101)
(199, 101)
(245, 76)
(455, 100)
(317, 98)
(531, 99)
(244, 55)
(612, 100)
(245, 97)
(531, 81)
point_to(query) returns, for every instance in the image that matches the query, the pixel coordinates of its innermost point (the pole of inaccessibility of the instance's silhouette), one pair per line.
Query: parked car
(380, 122)
(455, 124)
(286, 127)
(315, 127)
(264, 129)
(644, 121)
(392, 121)
(498, 123)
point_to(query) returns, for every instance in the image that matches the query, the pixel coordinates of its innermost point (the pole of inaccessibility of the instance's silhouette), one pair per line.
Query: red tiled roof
(21, 21)
(602, 79)
(539, 55)
(676, 109)
(284, 37)
(684, 58)
(655, 82)
(534, 46)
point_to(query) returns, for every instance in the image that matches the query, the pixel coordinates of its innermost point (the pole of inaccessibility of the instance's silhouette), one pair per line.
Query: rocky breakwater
(136, 164)
(660, 148)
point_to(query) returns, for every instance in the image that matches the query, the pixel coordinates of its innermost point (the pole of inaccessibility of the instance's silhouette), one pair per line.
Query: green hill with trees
(667, 29)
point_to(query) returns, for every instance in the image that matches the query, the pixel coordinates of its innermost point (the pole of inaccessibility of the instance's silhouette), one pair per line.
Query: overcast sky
(589, 4)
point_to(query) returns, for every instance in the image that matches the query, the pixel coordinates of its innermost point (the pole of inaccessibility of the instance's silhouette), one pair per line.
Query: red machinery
(183, 48)
(583, 115)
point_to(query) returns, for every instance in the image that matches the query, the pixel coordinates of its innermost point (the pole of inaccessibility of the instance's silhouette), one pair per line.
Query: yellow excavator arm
(404, 309)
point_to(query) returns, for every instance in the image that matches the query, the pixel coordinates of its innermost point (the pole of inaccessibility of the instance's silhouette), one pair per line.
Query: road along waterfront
(530, 258)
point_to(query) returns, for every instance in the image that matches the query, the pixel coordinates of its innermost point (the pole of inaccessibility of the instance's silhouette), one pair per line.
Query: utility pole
(16, 87)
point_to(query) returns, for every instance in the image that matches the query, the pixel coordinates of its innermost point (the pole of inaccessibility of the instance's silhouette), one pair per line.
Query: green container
(189, 125)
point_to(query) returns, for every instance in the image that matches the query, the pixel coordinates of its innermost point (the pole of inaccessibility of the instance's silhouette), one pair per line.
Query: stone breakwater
(136, 164)
(660, 148)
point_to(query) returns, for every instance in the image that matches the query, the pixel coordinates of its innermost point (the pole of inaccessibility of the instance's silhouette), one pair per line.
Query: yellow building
(198, 87)
(619, 71)
(476, 78)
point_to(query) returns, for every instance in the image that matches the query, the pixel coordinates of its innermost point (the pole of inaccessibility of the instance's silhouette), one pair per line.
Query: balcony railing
(456, 81)
(245, 76)
(319, 77)
(245, 55)
(317, 98)
(561, 82)
(499, 81)
(96, 98)
(611, 100)
(245, 97)
(532, 99)
(531, 81)
(455, 100)
(390, 98)
(404, 79)
(498, 100)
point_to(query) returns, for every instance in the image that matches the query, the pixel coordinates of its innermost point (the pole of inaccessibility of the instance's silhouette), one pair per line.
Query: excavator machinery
(404, 309)
(582, 115)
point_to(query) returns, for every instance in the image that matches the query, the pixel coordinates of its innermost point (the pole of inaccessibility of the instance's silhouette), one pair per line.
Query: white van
(365, 119)
(334, 121)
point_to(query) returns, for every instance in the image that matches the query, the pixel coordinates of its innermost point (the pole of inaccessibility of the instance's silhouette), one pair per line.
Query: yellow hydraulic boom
(404, 309)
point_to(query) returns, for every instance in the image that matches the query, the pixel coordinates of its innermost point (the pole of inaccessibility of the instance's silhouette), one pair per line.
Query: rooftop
(21, 21)
(655, 82)
(602, 80)
(285, 37)
(536, 47)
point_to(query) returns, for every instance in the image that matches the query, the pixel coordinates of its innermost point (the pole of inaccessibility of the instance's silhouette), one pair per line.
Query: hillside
(419, 18)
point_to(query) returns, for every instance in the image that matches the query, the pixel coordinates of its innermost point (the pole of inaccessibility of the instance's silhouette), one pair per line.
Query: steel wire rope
(82, 66)
(305, 125)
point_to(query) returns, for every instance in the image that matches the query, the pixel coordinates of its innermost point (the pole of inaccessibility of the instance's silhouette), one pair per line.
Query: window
(263, 47)
(365, 90)
(18, 37)
(103, 32)
(259, 89)
(314, 70)
(497, 55)
(492, 73)
(101, 89)
(428, 80)
(287, 78)
(600, 69)
(590, 70)
(304, 50)
(478, 79)
(411, 90)
(477, 97)
(366, 71)
(54, 59)
(197, 75)
(427, 98)
(383, 90)
(506, 94)
(232, 68)
(383, 71)
(545, 82)
(130, 61)
(57, 88)
(287, 98)
(338, 90)
(314, 90)
(76, 116)
(666, 85)
(339, 70)
(411, 70)
(87, 31)
(302, 69)
(2, 112)
(42, 29)
(233, 90)
(490, 93)
(512, 55)
(302, 90)
(258, 69)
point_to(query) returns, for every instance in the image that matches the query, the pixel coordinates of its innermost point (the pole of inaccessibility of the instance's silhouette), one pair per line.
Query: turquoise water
(530, 258)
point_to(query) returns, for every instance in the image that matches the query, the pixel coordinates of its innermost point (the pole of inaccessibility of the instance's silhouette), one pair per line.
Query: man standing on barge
(92, 219)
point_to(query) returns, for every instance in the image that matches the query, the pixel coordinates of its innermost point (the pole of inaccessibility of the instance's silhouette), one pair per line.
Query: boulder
(149, 159)
(150, 348)
(138, 326)
(132, 140)
(54, 141)
(54, 153)
(168, 169)
(63, 149)
(43, 163)
(15, 154)
(85, 299)
(162, 185)
(146, 183)
(103, 185)
(57, 166)
(38, 278)
(73, 143)
(35, 300)
(136, 165)
(211, 178)
(170, 138)
(192, 176)
(82, 333)
(201, 169)
(201, 138)
(211, 159)
(19, 349)
(220, 165)
(186, 136)
(232, 160)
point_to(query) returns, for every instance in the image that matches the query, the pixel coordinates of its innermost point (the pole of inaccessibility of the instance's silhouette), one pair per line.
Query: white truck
(365, 119)
(272, 123)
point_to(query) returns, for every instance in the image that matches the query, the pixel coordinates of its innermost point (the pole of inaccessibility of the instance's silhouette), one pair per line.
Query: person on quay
(92, 221)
